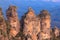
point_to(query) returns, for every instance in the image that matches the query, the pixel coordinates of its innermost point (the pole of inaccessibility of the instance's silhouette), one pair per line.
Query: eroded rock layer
(13, 21)
(31, 25)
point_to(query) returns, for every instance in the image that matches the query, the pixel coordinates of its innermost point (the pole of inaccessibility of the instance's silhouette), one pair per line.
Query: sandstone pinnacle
(13, 20)
(3, 30)
(31, 25)
(30, 12)
(44, 14)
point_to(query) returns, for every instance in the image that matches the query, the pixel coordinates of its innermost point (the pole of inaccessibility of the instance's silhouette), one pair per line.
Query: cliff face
(3, 27)
(13, 21)
(31, 27)
(45, 25)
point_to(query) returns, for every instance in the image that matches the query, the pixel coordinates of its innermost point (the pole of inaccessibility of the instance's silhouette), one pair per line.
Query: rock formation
(13, 21)
(31, 25)
(3, 27)
(56, 31)
(45, 25)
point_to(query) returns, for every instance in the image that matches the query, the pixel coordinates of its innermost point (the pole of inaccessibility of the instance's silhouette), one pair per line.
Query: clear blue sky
(53, 6)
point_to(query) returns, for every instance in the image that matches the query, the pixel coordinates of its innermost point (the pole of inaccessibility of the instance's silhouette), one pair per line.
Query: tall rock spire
(31, 25)
(45, 25)
(13, 21)
(3, 27)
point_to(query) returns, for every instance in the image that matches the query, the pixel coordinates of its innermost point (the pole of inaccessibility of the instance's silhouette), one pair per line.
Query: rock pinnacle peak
(12, 7)
(30, 11)
(45, 12)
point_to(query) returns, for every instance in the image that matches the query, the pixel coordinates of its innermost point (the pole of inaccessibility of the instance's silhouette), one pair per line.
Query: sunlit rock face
(3, 27)
(31, 25)
(45, 25)
(56, 31)
(13, 21)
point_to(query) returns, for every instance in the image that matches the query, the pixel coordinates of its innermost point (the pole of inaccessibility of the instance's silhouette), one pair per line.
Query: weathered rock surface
(13, 21)
(31, 25)
(3, 27)
(45, 25)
